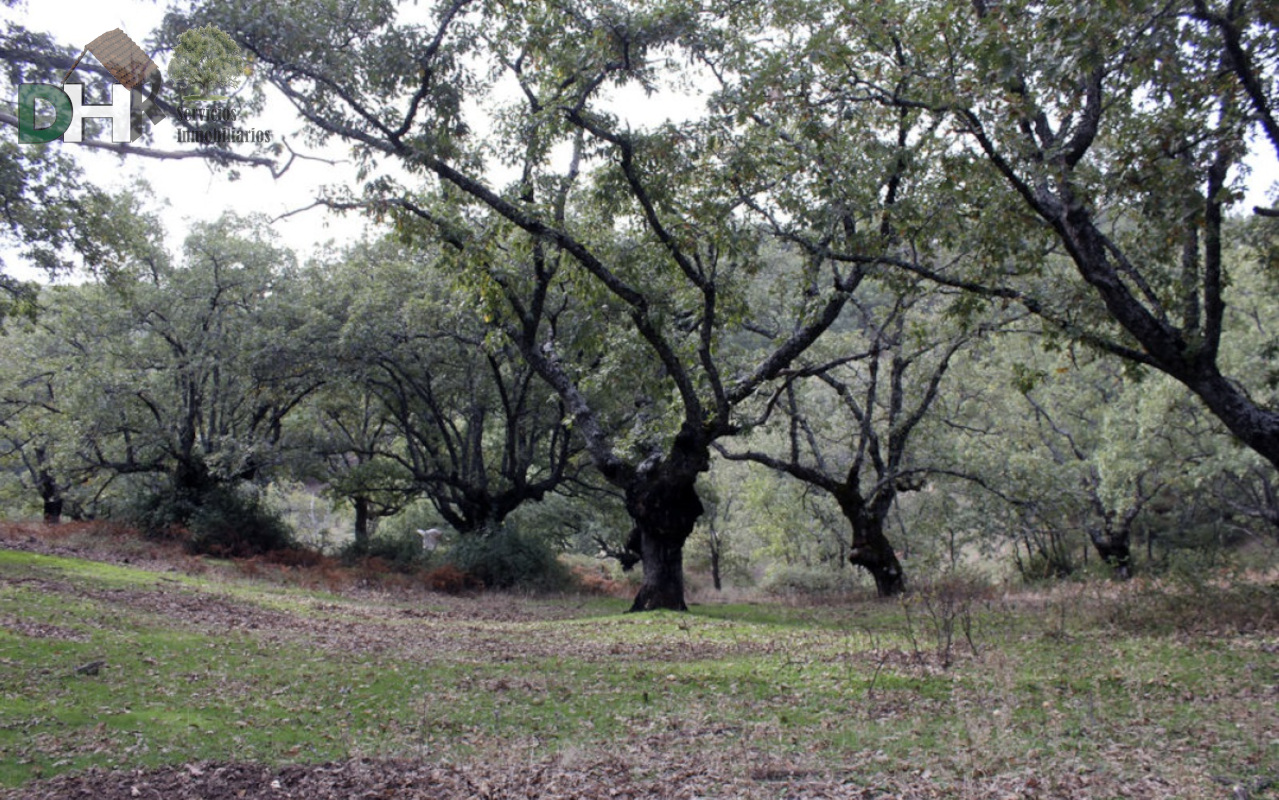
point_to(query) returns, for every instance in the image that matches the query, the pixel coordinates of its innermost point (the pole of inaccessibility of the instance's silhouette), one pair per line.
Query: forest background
(911, 289)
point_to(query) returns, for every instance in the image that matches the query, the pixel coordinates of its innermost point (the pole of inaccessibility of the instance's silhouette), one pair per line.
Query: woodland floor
(279, 684)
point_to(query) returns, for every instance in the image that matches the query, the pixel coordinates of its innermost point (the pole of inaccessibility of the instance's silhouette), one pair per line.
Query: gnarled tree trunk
(1113, 547)
(47, 484)
(665, 510)
(662, 500)
(663, 559)
(362, 517)
(871, 549)
(874, 553)
(716, 547)
(51, 496)
(1113, 538)
(53, 510)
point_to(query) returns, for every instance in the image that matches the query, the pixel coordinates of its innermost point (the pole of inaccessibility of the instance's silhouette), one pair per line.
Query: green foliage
(508, 558)
(574, 524)
(61, 224)
(400, 548)
(803, 168)
(222, 520)
(419, 514)
(183, 369)
(1046, 565)
(792, 580)
(424, 398)
(234, 521)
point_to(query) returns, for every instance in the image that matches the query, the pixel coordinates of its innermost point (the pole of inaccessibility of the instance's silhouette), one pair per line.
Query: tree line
(964, 264)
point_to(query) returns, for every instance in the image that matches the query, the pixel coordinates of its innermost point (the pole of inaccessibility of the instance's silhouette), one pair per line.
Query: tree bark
(1114, 549)
(874, 553)
(1113, 539)
(715, 551)
(53, 510)
(664, 507)
(192, 481)
(361, 522)
(1255, 426)
(51, 496)
(871, 549)
(663, 587)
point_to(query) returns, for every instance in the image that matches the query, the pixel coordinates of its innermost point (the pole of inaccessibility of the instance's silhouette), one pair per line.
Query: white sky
(195, 192)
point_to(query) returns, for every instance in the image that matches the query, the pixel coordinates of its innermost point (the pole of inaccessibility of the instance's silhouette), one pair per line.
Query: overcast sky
(195, 192)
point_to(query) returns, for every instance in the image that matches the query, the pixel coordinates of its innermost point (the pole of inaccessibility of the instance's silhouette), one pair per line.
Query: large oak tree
(1088, 153)
(650, 224)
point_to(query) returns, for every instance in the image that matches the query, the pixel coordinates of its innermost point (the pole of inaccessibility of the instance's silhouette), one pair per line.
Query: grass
(1068, 690)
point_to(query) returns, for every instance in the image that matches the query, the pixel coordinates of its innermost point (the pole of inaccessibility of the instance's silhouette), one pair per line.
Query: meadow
(219, 679)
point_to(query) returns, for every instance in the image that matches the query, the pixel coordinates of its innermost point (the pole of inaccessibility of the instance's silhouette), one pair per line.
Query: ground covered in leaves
(213, 684)
(613, 778)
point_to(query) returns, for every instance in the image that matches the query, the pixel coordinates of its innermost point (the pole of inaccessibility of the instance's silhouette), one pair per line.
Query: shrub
(507, 559)
(1042, 567)
(226, 521)
(785, 579)
(403, 550)
(595, 580)
(161, 513)
(949, 603)
(234, 522)
(299, 557)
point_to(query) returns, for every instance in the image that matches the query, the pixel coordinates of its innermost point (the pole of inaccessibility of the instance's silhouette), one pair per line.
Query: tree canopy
(812, 260)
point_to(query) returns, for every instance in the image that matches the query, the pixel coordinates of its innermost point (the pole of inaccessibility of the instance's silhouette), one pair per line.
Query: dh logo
(132, 99)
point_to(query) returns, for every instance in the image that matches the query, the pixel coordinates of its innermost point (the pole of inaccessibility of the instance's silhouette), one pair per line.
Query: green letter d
(28, 93)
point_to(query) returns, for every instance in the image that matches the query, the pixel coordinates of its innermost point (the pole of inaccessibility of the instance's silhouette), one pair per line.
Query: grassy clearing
(1084, 691)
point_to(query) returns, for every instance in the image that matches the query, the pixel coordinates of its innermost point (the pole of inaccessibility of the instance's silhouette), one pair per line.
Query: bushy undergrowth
(401, 549)
(509, 559)
(1197, 602)
(504, 558)
(787, 579)
(604, 577)
(227, 521)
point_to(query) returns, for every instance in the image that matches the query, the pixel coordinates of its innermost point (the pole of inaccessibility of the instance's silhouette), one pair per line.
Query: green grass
(204, 668)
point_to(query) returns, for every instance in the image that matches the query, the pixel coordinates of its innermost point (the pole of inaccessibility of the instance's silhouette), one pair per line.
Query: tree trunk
(52, 498)
(715, 577)
(871, 549)
(664, 509)
(663, 586)
(52, 510)
(874, 553)
(1197, 369)
(191, 484)
(50, 492)
(1114, 549)
(1113, 539)
(361, 523)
